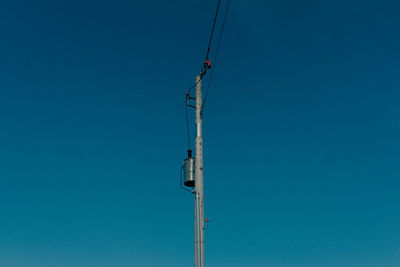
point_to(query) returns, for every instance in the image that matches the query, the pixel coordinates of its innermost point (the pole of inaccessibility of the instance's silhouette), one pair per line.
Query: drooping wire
(187, 124)
(194, 85)
(216, 54)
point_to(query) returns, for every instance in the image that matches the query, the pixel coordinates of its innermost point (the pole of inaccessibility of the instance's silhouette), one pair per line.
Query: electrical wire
(209, 42)
(187, 124)
(201, 76)
(194, 85)
(216, 54)
(213, 28)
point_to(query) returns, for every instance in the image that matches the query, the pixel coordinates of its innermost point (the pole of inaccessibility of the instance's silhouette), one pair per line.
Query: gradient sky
(301, 133)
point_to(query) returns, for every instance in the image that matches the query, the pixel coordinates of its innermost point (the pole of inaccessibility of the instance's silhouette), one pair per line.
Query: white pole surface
(199, 197)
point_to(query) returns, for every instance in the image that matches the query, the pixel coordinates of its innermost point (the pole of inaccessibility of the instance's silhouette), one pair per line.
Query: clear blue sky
(301, 128)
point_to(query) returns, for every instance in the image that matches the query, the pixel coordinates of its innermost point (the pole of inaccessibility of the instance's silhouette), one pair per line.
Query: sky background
(301, 133)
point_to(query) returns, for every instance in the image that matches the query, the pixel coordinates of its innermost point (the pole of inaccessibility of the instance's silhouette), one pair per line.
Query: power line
(193, 167)
(216, 54)
(212, 31)
(209, 43)
(203, 70)
(187, 123)
(194, 85)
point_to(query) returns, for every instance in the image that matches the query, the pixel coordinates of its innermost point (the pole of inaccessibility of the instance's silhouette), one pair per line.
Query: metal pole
(199, 189)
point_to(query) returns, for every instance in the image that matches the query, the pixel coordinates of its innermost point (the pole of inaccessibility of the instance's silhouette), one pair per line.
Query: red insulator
(207, 63)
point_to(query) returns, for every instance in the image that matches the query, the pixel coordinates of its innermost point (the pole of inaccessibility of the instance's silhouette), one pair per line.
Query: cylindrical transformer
(188, 166)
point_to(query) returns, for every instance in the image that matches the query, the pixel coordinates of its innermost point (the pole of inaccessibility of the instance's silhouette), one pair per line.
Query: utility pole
(193, 167)
(199, 186)
(193, 171)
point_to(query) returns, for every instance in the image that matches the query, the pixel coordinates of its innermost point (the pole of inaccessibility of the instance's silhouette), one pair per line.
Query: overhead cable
(209, 43)
(216, 54)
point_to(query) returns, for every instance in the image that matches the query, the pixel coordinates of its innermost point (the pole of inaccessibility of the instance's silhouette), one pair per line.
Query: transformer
(188, 167)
